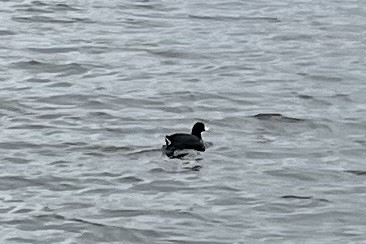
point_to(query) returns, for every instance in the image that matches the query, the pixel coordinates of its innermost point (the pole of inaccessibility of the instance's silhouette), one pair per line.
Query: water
(90, 88)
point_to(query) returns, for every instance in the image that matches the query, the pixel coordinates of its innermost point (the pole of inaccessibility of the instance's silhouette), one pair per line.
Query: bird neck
(196, 133)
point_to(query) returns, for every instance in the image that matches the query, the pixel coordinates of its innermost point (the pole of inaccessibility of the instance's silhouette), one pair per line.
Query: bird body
(181, 141)
(185, 141)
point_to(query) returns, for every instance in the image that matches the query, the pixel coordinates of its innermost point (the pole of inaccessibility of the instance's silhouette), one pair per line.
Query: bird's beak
(207, 128)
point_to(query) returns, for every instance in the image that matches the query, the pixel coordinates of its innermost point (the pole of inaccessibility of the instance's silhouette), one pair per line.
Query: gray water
(89, 89)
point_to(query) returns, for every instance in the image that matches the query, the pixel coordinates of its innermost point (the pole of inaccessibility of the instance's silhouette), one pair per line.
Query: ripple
(291, 175)
(17, 160)
(302, 198)
(176, 54)
(53, 49)
(129, 179)
(234, 18)
(45, 67)
(42, 19)
(8, 182)
(277, 117)
(356, 172)
(7, 33)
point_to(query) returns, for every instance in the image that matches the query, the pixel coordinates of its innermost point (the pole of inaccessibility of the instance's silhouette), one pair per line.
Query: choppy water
(90, 88)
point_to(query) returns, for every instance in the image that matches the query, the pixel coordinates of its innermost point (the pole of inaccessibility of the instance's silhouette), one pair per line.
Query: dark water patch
(7, 11)
(66, 99)
(7, 33)
(21, 240)
(356, 172)
(301, 176)
(60, 163)
(50, 7)
(105, 148)
(79, 143)
(161, 185)
(179, 54)
(30, 126)
(102, 115)
(14, 145)
(177, 109)
(177, 165)
(343, 97)
(295, 197)
(234, 200)
(144, 150)
(234, 18)
(6, 210)
(16, 182)
(60, 84)
(14, 106)
(61, 217)
(94, 154)
(25, 223)
(62, 7)
(53, 49)
(17, 160)
(293, 37)
(277, 117)
(167, 214)
(104, 188)
(45, 67)
(96, 104)
(359, 141)
(113, 148)
(327, 78)
(223, 188)
(52, 183)
(193, 168)
(125, 212)
(64, 186)
(34, 10)
(147, 5)
(42, 19)
(321, 125)
(129, 179)
(183, 240)
(109, 174)
(322, 100)
(37, 80)
(97, 181)
(12, 89)
(303, 198)
(14, 201)
(115, 233)
(306, 97)
(125, 150)
(140, 24)
(139, 101)
(160, 170)
(227, 68)
(40, 3)
(51, 116)
(23, 210)
(78, 205)
(264, 154)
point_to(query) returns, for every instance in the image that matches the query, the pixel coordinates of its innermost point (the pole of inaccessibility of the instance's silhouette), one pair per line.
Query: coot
(181, 141)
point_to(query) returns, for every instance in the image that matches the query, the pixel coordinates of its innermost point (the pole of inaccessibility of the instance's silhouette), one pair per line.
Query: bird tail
(167, 141)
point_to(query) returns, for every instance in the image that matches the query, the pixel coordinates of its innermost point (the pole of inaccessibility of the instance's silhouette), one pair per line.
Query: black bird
(181, 141)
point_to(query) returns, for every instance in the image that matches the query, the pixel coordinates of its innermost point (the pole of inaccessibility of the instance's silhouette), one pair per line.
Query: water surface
(90, 88)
